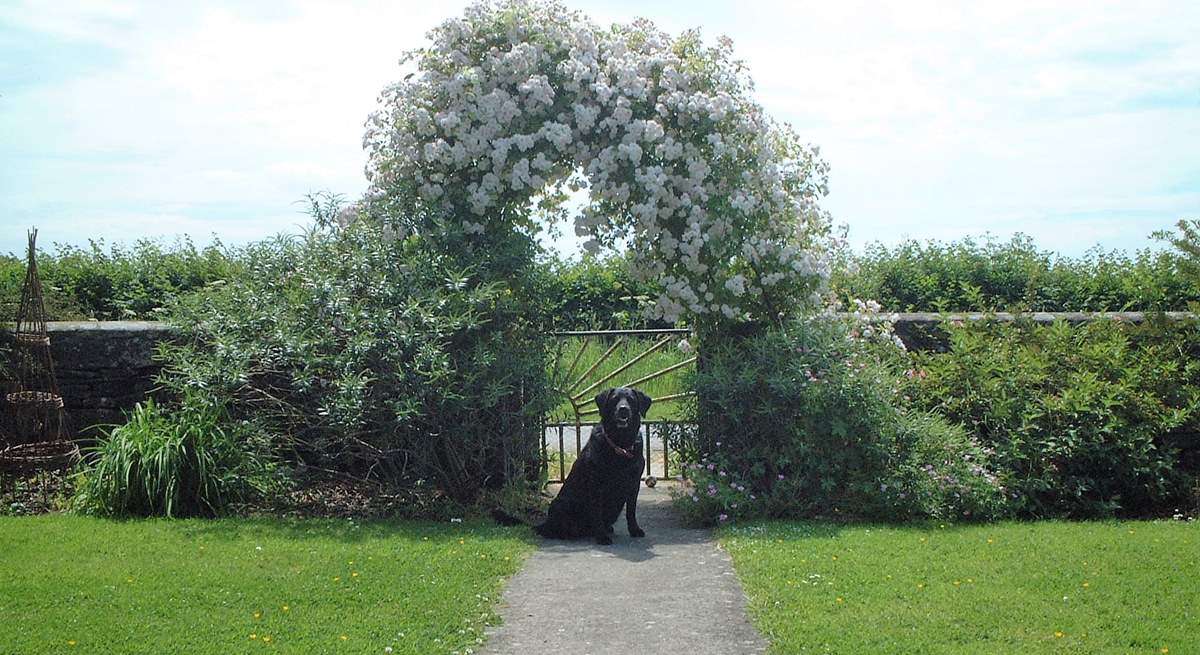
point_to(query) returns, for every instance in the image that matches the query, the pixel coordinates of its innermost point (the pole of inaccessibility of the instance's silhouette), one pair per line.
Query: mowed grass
(630, 347)
(72, 584)
(1048, 587)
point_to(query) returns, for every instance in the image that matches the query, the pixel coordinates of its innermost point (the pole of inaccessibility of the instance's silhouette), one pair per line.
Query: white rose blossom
(718, 200)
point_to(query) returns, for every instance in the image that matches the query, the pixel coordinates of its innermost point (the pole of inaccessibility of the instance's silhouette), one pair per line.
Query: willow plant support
(35, 439)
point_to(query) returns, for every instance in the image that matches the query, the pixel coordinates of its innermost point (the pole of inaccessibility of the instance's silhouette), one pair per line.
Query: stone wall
(105, 367)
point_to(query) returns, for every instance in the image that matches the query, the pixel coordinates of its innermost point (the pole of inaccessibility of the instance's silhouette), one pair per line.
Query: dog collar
(627, 453)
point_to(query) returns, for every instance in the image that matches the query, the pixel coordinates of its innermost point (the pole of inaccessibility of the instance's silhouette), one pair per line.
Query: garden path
(672, 591)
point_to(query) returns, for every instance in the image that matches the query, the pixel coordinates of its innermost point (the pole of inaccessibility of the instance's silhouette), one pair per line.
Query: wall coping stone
(900, 317)
(1038, 317)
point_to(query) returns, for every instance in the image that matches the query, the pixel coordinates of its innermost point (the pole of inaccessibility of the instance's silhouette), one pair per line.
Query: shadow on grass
(346, 531)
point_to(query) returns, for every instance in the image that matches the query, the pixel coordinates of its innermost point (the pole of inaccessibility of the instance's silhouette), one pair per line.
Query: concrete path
(671, 591)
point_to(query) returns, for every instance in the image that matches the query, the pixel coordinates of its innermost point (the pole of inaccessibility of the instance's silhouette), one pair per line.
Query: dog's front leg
(596, 516)
(631, 513)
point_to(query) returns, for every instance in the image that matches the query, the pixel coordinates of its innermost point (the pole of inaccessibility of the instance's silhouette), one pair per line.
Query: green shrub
(375, 355)
(119, 282)
(807, 421)
(189, 461)
(945, 473)
(1187, 245)
(1014, 275)
(1076, 414)
(595, 293)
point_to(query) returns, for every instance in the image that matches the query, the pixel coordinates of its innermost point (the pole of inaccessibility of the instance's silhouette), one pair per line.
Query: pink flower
(723, 517)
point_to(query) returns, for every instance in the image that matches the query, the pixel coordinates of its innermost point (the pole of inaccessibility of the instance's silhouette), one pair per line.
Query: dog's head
(623, 407)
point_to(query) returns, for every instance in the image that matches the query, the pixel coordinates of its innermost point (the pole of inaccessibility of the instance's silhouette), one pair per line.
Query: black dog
(605, 478)
(607, 475)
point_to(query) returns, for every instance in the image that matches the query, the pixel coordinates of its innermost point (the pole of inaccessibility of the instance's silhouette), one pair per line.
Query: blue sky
(1077, 123)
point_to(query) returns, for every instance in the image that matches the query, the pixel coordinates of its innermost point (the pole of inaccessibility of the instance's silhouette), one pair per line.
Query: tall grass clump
(189, 461)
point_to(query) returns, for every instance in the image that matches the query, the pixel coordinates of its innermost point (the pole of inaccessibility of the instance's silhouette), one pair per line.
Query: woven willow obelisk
(35, 407)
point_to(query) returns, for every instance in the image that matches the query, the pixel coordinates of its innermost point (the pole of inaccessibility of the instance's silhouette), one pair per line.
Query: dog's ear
(602, 400)
(643, 402)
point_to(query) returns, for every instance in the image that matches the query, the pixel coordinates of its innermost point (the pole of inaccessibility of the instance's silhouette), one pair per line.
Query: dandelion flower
(354, 574)
(71, 643)
(286, 608)
(266, 639)
(343, 637)
(1059, 634)
(253, 635)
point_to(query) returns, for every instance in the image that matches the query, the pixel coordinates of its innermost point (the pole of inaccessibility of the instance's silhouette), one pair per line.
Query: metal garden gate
(581, 371)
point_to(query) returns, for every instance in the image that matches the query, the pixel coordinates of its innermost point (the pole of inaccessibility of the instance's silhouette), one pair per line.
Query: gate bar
(605, 356)
(666, 453)
(622, 368)
(575, 362)
(649, 459)
(562, 455)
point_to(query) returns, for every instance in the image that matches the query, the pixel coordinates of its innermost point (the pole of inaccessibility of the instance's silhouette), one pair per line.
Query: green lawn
(74, 584)
(1048, 587)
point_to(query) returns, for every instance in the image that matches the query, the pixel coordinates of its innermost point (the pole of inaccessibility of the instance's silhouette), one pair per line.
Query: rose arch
(512, 104)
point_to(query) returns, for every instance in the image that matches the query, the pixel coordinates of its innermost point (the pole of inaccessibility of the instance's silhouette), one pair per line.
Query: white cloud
(940, 119)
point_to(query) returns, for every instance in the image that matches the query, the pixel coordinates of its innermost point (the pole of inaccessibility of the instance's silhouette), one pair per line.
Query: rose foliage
(807, 419)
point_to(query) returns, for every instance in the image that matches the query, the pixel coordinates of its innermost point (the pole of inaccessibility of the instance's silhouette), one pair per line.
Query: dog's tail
(504, 518)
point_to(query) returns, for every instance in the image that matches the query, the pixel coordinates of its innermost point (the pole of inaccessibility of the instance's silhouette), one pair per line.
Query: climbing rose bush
(513, 104)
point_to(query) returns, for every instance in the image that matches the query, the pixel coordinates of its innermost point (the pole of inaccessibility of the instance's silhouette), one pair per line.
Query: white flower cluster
(718, 201)
(870, 323)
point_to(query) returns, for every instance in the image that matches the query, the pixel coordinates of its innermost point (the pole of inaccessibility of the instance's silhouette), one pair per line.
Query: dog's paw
(638, 532)
(604, 541)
